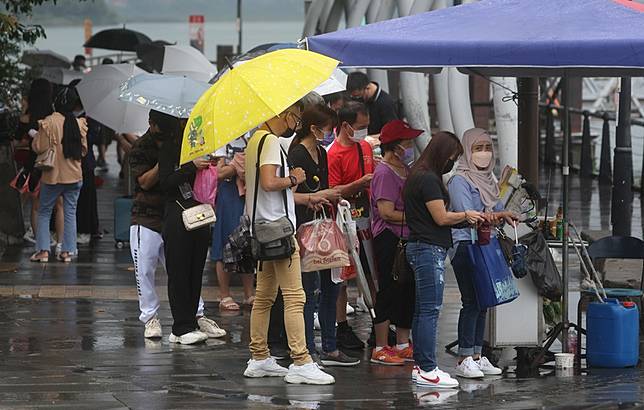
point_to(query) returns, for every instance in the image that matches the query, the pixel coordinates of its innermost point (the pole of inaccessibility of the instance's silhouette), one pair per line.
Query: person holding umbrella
(430, 236)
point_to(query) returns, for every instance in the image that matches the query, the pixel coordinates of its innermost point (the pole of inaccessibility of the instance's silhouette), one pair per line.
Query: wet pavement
(71, 339)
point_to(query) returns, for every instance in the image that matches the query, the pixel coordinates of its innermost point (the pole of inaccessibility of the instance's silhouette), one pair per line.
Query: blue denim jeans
(48, 195)
(428, 262)
(471, 320)
(326, 309)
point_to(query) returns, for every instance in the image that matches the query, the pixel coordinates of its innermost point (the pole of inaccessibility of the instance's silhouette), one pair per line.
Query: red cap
(397, 130)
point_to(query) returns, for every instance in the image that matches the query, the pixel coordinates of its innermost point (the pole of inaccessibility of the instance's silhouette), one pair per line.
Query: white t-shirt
(270, 205)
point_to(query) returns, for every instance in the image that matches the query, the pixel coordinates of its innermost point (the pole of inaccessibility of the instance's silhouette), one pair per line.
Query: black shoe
(340, 360)
(347, 339)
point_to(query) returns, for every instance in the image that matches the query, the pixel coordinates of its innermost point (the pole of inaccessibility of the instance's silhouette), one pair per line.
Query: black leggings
(185, 254)
(394, 301)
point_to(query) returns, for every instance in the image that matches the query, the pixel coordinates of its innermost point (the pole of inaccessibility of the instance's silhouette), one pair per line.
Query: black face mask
(289, 132)
(448, 166)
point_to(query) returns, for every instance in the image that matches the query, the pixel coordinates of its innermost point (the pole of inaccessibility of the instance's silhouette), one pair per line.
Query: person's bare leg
(60, 220)
(402, 335)
(223, 279)
(35, 202)
(248, 280)
(341, 305)
(382, 333)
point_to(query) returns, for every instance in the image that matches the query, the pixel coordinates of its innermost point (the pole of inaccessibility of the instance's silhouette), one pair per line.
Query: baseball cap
(397, 130)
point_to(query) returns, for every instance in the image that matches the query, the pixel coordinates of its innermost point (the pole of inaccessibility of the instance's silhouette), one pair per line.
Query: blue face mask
(327, 139)
(407, 157)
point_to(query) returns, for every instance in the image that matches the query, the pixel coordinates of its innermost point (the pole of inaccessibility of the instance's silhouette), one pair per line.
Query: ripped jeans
(428, 262)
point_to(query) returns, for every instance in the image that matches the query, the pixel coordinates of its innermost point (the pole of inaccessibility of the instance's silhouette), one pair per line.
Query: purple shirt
(386, 185)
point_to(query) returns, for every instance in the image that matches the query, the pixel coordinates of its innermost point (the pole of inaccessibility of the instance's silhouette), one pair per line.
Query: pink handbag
(204, 189)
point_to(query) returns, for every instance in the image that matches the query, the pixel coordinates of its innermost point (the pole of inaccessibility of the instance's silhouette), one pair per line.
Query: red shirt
(344, 164)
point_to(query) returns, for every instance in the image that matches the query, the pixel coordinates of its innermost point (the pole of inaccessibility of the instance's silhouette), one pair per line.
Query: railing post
(550, 137)
(605, 170)
(585, 162)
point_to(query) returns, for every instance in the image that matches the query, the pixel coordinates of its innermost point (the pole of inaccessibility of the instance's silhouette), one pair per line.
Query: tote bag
(493, 280)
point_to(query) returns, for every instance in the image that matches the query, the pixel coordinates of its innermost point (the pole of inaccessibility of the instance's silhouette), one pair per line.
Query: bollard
(585, 162)
(605, 170)
(550, 137)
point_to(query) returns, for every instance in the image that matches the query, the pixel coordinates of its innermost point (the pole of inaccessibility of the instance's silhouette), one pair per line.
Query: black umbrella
(151, 54)
(120, 39)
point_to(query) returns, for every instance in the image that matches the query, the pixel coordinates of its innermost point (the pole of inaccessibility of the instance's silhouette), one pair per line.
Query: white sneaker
(350, 309)
(83, 238)
(191, 338)
(316, 321)
(153, 329)
(469, 369)
(309, 373)
(210, 327)
(265, 368)
(487, 368)
(436, 378)
(360, 305)
(414, 373)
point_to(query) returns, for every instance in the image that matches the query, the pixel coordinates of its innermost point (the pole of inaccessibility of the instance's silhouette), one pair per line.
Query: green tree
(15, 35)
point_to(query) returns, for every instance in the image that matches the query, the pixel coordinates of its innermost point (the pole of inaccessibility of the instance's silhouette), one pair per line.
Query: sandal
(64, 257)
(40, 259)
(249, 301)
(228, 303)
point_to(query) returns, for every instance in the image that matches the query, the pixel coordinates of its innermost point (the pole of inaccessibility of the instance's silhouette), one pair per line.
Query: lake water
(68, 40)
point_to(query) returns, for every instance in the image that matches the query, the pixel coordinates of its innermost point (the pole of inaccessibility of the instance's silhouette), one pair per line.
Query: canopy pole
(622, 204)
(565, 172)
(528, 128)
(239, 27)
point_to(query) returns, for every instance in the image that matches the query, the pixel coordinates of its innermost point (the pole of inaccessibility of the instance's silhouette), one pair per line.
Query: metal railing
(585, 163)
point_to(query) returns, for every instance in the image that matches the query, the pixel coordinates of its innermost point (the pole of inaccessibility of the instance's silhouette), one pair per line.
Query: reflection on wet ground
(91, 354)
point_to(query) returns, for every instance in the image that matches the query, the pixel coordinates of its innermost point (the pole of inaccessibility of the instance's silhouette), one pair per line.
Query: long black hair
(39, 101)
(66, 101)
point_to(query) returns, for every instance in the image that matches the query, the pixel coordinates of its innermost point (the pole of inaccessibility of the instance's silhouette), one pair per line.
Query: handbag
(21, 181)
(271, 240)
(197, 216)
(204, 189)
(322, 245)
(45, 161)
(493, 281)
(401, 271)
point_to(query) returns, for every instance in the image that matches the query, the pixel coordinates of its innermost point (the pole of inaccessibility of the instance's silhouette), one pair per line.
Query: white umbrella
(99, 92)
(44, 58)
(170, 94)
(187, 61)
(337, 82)
(62, 76)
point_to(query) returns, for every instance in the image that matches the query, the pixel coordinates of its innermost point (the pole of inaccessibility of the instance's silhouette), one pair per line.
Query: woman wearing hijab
(473, 187)
(67, 135)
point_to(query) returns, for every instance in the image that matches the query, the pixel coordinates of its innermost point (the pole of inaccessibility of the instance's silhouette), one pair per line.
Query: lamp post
(239, 27)
(622, 203)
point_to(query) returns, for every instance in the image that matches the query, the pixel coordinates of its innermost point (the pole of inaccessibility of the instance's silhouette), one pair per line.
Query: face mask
(289, 132)
(359, 135)
(407, 156)
(327, 139)
(448, 166)
(482, 159)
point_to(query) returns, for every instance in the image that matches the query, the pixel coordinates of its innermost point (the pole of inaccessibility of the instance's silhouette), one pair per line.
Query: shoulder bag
(401, 271)
(271, 240)
(45, 161)
(197, 216)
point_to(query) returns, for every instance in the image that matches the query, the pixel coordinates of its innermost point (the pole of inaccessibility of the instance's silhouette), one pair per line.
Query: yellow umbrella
(250, 94)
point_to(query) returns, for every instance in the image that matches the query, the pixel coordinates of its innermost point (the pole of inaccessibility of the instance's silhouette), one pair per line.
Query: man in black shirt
(381, 106)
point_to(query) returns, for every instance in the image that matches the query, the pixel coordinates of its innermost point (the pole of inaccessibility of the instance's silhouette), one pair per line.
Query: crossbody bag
(271, 240)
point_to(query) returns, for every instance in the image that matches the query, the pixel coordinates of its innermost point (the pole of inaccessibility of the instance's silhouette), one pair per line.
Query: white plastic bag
(343, 217)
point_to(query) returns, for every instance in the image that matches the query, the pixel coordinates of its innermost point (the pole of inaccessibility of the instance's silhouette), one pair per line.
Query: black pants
(394, 301)
(185, 254)
(86, 210)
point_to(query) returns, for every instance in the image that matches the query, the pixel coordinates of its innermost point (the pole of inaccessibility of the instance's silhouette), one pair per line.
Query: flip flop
(228, 303)
(249, 301)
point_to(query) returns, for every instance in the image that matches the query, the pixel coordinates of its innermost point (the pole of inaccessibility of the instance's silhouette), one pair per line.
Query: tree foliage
(15, 35)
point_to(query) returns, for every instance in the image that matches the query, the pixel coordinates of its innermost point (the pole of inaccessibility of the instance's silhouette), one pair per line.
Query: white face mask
(482, 159)
(359, 135)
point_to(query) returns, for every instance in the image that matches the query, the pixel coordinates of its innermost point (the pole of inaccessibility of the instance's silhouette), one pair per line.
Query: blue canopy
(503, 37)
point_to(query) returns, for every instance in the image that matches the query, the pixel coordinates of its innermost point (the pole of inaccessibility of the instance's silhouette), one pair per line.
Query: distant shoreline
(68, 23)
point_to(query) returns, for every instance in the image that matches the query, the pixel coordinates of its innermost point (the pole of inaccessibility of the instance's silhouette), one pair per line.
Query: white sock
(379, 348)
(402, 346)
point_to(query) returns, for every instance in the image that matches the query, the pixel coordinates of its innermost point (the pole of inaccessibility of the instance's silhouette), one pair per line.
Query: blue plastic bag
(493, 280)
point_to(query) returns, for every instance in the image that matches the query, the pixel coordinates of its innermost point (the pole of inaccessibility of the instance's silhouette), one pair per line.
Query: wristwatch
(293, 180)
